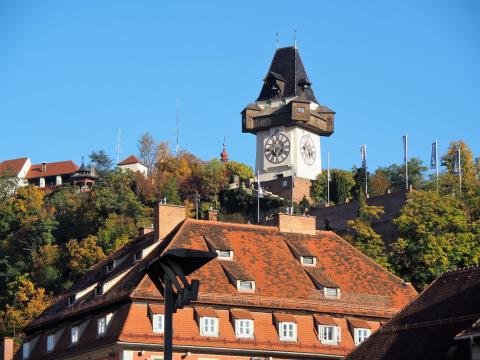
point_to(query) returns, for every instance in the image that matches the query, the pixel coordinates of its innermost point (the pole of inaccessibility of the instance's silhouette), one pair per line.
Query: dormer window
(308, 260)
(208, 326)
(300, 109)
(331, 293)
(71, 299)
(74, 335)
(268, 104)
(99, 290)
(287, 331)
(138, 256)
(225, 254)
(244, 328)
(50, 342)
(158, 321)
(361, 334)
(101, 326)
(329, 334)
(26, 350)
(110, 266)
(246, 285)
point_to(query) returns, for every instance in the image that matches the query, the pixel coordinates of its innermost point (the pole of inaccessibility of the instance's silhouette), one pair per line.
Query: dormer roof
(287, 66)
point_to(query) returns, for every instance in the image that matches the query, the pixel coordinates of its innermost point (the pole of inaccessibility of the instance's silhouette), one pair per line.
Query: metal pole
(168, 343)
(436, 160)
(459, 170)
(328, 178)
(406, 162)
(258, 197)
(293, 175)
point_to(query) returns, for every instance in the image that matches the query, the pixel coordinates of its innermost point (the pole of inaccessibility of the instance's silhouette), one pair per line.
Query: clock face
(277, 148)
(307, 149)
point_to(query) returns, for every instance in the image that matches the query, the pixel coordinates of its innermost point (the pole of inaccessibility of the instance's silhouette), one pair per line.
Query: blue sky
(73, 72)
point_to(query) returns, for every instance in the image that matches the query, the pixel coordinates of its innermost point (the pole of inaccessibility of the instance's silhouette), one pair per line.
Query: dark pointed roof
(287, 66)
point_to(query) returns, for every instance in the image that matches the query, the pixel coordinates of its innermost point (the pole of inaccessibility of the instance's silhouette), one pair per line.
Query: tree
(396, 174)
(341, 185)
(103, 162)
(8, 185)
(116, 232)
(82, 255)
(435, 235)
(147, 148)
(379, 183)
(363, 236)
(318, 189)
(27, 301)
(466, 162)
(243, 171)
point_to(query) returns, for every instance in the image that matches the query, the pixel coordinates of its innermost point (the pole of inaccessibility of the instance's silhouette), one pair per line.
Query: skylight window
(225, 254)
(308, 260)
(246, 285)
(331, 293)
(101, 325)
(110, 266)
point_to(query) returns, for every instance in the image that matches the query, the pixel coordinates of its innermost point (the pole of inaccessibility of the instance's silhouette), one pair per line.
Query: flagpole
(436, 160)
(366, 175)
(328, 178)
(293, 175)
(459, 170)
(406, 160)
(258, 197)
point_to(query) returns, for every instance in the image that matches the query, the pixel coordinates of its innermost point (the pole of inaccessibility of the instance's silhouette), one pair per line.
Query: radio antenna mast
(118, 147)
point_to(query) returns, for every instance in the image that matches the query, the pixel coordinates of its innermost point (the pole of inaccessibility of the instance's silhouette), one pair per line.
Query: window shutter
(338, 333)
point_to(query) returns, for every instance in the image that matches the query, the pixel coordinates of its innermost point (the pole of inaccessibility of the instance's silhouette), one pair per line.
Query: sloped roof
(426, 329)
(281, 286)
(287, 66)
(52, 169)
(12, 167)
(132, 159)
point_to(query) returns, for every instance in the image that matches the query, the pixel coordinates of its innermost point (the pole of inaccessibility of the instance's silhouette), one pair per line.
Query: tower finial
(224, 154)
(295, 39)
(276, 36)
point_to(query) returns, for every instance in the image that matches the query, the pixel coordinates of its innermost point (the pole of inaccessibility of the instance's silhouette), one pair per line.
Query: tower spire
(224, 154)
(295, 39)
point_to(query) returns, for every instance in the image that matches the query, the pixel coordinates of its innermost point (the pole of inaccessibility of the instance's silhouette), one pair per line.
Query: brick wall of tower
(283, 188)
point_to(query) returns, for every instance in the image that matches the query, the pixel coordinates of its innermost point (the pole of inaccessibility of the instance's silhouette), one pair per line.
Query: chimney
(144, 231)
(212, 215)
(44, 166)
(298, 224)
(7, 348)
(166, 218)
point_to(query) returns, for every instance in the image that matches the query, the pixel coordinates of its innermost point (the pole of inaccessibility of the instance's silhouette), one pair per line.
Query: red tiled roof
(132, 159)
(156, 308)
(203, 311)
(428, 327)
(325, 320)
(284, 317)
(281, 286)
(12, 167)
(358, 323)
(52, 169)
(241, 314)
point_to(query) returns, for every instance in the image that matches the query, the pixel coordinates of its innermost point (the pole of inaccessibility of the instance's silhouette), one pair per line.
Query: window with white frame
(225, 254)
(101, 325)
(50, 342)
(26, 350)
(158, 321)
(245, 285)
(361, 334)
(244, 328)
(74, 334)
(287, 331)
(308, 260)
(331, 293)
(208, 326)
(329, 334)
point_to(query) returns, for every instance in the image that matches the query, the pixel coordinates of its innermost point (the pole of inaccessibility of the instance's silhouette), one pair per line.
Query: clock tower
(288, 122)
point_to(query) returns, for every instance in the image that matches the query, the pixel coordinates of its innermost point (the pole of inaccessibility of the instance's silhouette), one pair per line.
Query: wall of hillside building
(283, 188)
